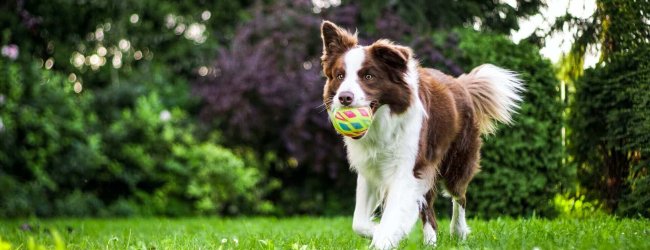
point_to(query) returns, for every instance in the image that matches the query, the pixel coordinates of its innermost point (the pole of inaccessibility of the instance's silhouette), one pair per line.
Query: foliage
(610, 117)
(178, 33)
(616, 26)
(111, 133)
(217, 178)
(635, 202)
(122, 49)
(441, 15)
(576, 205)
(321, 233)
(522, 163)
(58, 160)
(44, 125)
(612, 164)
(155, 156)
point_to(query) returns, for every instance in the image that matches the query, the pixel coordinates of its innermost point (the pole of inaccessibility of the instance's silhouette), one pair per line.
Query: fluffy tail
(495, 94)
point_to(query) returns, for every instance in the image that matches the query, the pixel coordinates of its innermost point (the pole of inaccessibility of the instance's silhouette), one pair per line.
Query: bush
(45, 147)
(157, 163)
(521, 165)
(219, 179)
(110, 149)
(610, 122)
(57, 157)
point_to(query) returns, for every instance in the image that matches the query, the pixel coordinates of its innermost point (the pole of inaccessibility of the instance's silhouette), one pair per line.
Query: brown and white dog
(427, 126)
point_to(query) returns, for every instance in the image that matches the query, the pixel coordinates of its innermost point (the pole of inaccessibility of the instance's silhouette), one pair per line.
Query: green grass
(320, 233)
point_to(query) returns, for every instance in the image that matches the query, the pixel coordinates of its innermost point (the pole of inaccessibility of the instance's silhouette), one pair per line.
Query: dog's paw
(460, 231)
(366, 230)
(429, 236)
(382, 244)
(383, 240)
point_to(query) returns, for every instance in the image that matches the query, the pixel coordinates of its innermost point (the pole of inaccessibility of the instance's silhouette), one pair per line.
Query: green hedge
(58, 157)
(610, 139)
(521, 165)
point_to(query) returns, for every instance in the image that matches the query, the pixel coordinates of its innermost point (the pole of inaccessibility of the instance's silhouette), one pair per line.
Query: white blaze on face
(353, 60)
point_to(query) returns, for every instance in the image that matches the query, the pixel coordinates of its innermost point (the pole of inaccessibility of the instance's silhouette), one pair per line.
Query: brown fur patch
(387, 66)
(442, 125)
(449, 140)
(337, 66)
(427, 213)
(336, 42)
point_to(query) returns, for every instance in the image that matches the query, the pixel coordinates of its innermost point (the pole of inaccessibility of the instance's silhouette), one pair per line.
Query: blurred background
(182, 108)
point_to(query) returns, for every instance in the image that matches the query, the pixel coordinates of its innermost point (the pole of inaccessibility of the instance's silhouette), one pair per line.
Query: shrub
(45, 148)
(58, 158)
(157, 163)
(610, 122)
(219, 181)
(106, 151)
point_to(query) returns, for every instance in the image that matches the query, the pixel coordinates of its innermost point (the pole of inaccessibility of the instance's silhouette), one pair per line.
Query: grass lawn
(319, 233)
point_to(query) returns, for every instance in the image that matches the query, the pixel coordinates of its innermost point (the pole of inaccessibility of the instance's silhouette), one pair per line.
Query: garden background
(162, 108)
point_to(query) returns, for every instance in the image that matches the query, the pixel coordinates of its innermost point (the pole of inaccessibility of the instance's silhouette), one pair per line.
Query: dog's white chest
(389, 147)
(375, 162)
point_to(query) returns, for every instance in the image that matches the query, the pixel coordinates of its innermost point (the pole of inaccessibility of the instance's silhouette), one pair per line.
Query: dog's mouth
(374, 105)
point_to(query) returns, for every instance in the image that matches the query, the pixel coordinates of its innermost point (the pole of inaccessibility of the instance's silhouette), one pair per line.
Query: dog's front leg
(400, 213)
(366, 203)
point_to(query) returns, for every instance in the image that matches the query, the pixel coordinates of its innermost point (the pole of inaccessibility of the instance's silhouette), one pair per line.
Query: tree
(616, 26)
(610, 139)
(607, 124)
(440, 15)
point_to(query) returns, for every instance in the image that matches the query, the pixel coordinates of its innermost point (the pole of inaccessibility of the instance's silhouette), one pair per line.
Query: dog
(426, 128)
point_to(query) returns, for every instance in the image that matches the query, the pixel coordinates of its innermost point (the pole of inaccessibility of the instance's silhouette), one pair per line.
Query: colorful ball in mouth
(351, 122)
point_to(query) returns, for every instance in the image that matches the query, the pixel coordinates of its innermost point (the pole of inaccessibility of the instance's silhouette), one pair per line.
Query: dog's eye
(368, 77)
(339, 76)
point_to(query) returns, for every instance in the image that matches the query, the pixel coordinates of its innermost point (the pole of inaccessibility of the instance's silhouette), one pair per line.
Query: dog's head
(370, 76)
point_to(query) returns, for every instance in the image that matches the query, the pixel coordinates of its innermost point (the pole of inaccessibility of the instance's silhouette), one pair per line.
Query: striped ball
(352, 122)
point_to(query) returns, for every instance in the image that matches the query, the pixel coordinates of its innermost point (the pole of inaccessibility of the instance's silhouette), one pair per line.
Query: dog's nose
(346, 98)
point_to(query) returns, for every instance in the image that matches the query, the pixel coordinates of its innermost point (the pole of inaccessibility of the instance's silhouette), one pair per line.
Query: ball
(351, 122)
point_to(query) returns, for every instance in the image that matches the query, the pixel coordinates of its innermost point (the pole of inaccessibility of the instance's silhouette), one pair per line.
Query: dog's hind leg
(428, 216)
(457, 188)
(458, 225)
(458, 169)
(457, 175)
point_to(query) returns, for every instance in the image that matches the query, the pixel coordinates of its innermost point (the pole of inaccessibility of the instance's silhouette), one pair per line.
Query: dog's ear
(335, 39)
(394, 56)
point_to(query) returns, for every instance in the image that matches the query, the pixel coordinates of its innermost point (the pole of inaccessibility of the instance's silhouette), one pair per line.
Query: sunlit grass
(318, 233)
